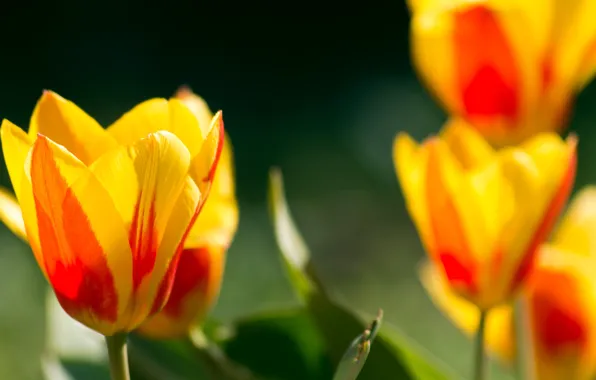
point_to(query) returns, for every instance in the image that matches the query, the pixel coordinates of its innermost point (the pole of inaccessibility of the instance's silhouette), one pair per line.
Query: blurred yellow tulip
(509, 67)
(107, 212)
(562, 300)
(481, 213)
(200, 271)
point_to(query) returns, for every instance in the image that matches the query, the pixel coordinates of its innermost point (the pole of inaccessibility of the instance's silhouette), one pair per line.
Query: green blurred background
(318, 89)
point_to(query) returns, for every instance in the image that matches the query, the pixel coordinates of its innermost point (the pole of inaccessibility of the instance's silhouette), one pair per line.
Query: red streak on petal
(548, 73)
(458, 274)
(558, 324)
(451, 245)
(143, 241)
(167, 282)
(74, 259)
(548, 221)
(487, 73)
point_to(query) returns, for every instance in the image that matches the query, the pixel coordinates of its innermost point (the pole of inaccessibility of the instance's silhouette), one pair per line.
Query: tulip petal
(11, 215)
(556, 162)
(562, 295)
(159, 115)
(196, 286)
(449, 229)
(68, 125)
(218, 219)
(477, 61)
(116, 171)
(574, 40)
(183, 217)
(410, 165)
(16, 146)
(204, 164)
(468, 146)
(465, 315)
(515, 184)
(576, 230)
(167, 204)
(487, 72)
(430, 33)
(198, 107)
(85, 247)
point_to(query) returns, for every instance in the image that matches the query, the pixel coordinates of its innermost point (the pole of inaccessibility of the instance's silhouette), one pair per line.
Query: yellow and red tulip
(482, 213)
(510, 68)
(561, 296)
(107, 212)
(201, 267)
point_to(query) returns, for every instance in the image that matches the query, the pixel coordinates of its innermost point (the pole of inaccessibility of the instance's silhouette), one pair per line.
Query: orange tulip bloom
(561, 295)
(201, 266)
(481, 213)
(107, 212)
(510, 68)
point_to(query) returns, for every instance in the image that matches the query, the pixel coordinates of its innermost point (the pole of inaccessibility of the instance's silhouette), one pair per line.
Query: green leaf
(393, 355)
(281, 345)
(355, 356)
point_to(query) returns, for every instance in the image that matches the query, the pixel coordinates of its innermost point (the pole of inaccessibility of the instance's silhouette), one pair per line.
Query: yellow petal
(465, 315)
(197, 284)
(576, 231)
(536, 184)
(410, 162)
(516, 186)
(204, 164)
(574, 38)
(68, 125)
(468, 146)
(115, 170)
(154, 195)
(166, 196)
(16, 146)
(198, 106)
(11, 215)
(218, 220)
(159, 115)
(85, 246)
(430, 34)
(183, 217)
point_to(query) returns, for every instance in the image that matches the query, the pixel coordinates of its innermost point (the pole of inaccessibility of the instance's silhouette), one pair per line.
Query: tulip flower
(482, 213)
(201, 266)
(561, 295)
(107, 212)
(510, 68)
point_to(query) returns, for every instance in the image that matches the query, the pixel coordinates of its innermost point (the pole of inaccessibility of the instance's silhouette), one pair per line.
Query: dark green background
(319, 89)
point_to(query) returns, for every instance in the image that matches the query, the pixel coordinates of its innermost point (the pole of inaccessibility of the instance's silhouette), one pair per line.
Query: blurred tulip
(511, 68)
(201, 267)
(107, 212)
(561, 295)
(481, 213)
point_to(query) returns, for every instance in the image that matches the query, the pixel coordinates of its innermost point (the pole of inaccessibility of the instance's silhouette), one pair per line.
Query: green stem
(480, 360)
(118, 356)
(524, 355)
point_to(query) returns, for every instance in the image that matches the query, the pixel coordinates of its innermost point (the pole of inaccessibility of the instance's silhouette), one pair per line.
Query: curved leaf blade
(353, 360)
(393, 352)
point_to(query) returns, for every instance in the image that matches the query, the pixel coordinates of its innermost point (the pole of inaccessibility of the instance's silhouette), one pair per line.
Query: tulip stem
(524, 355)
(480, 361)
(118, 356)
